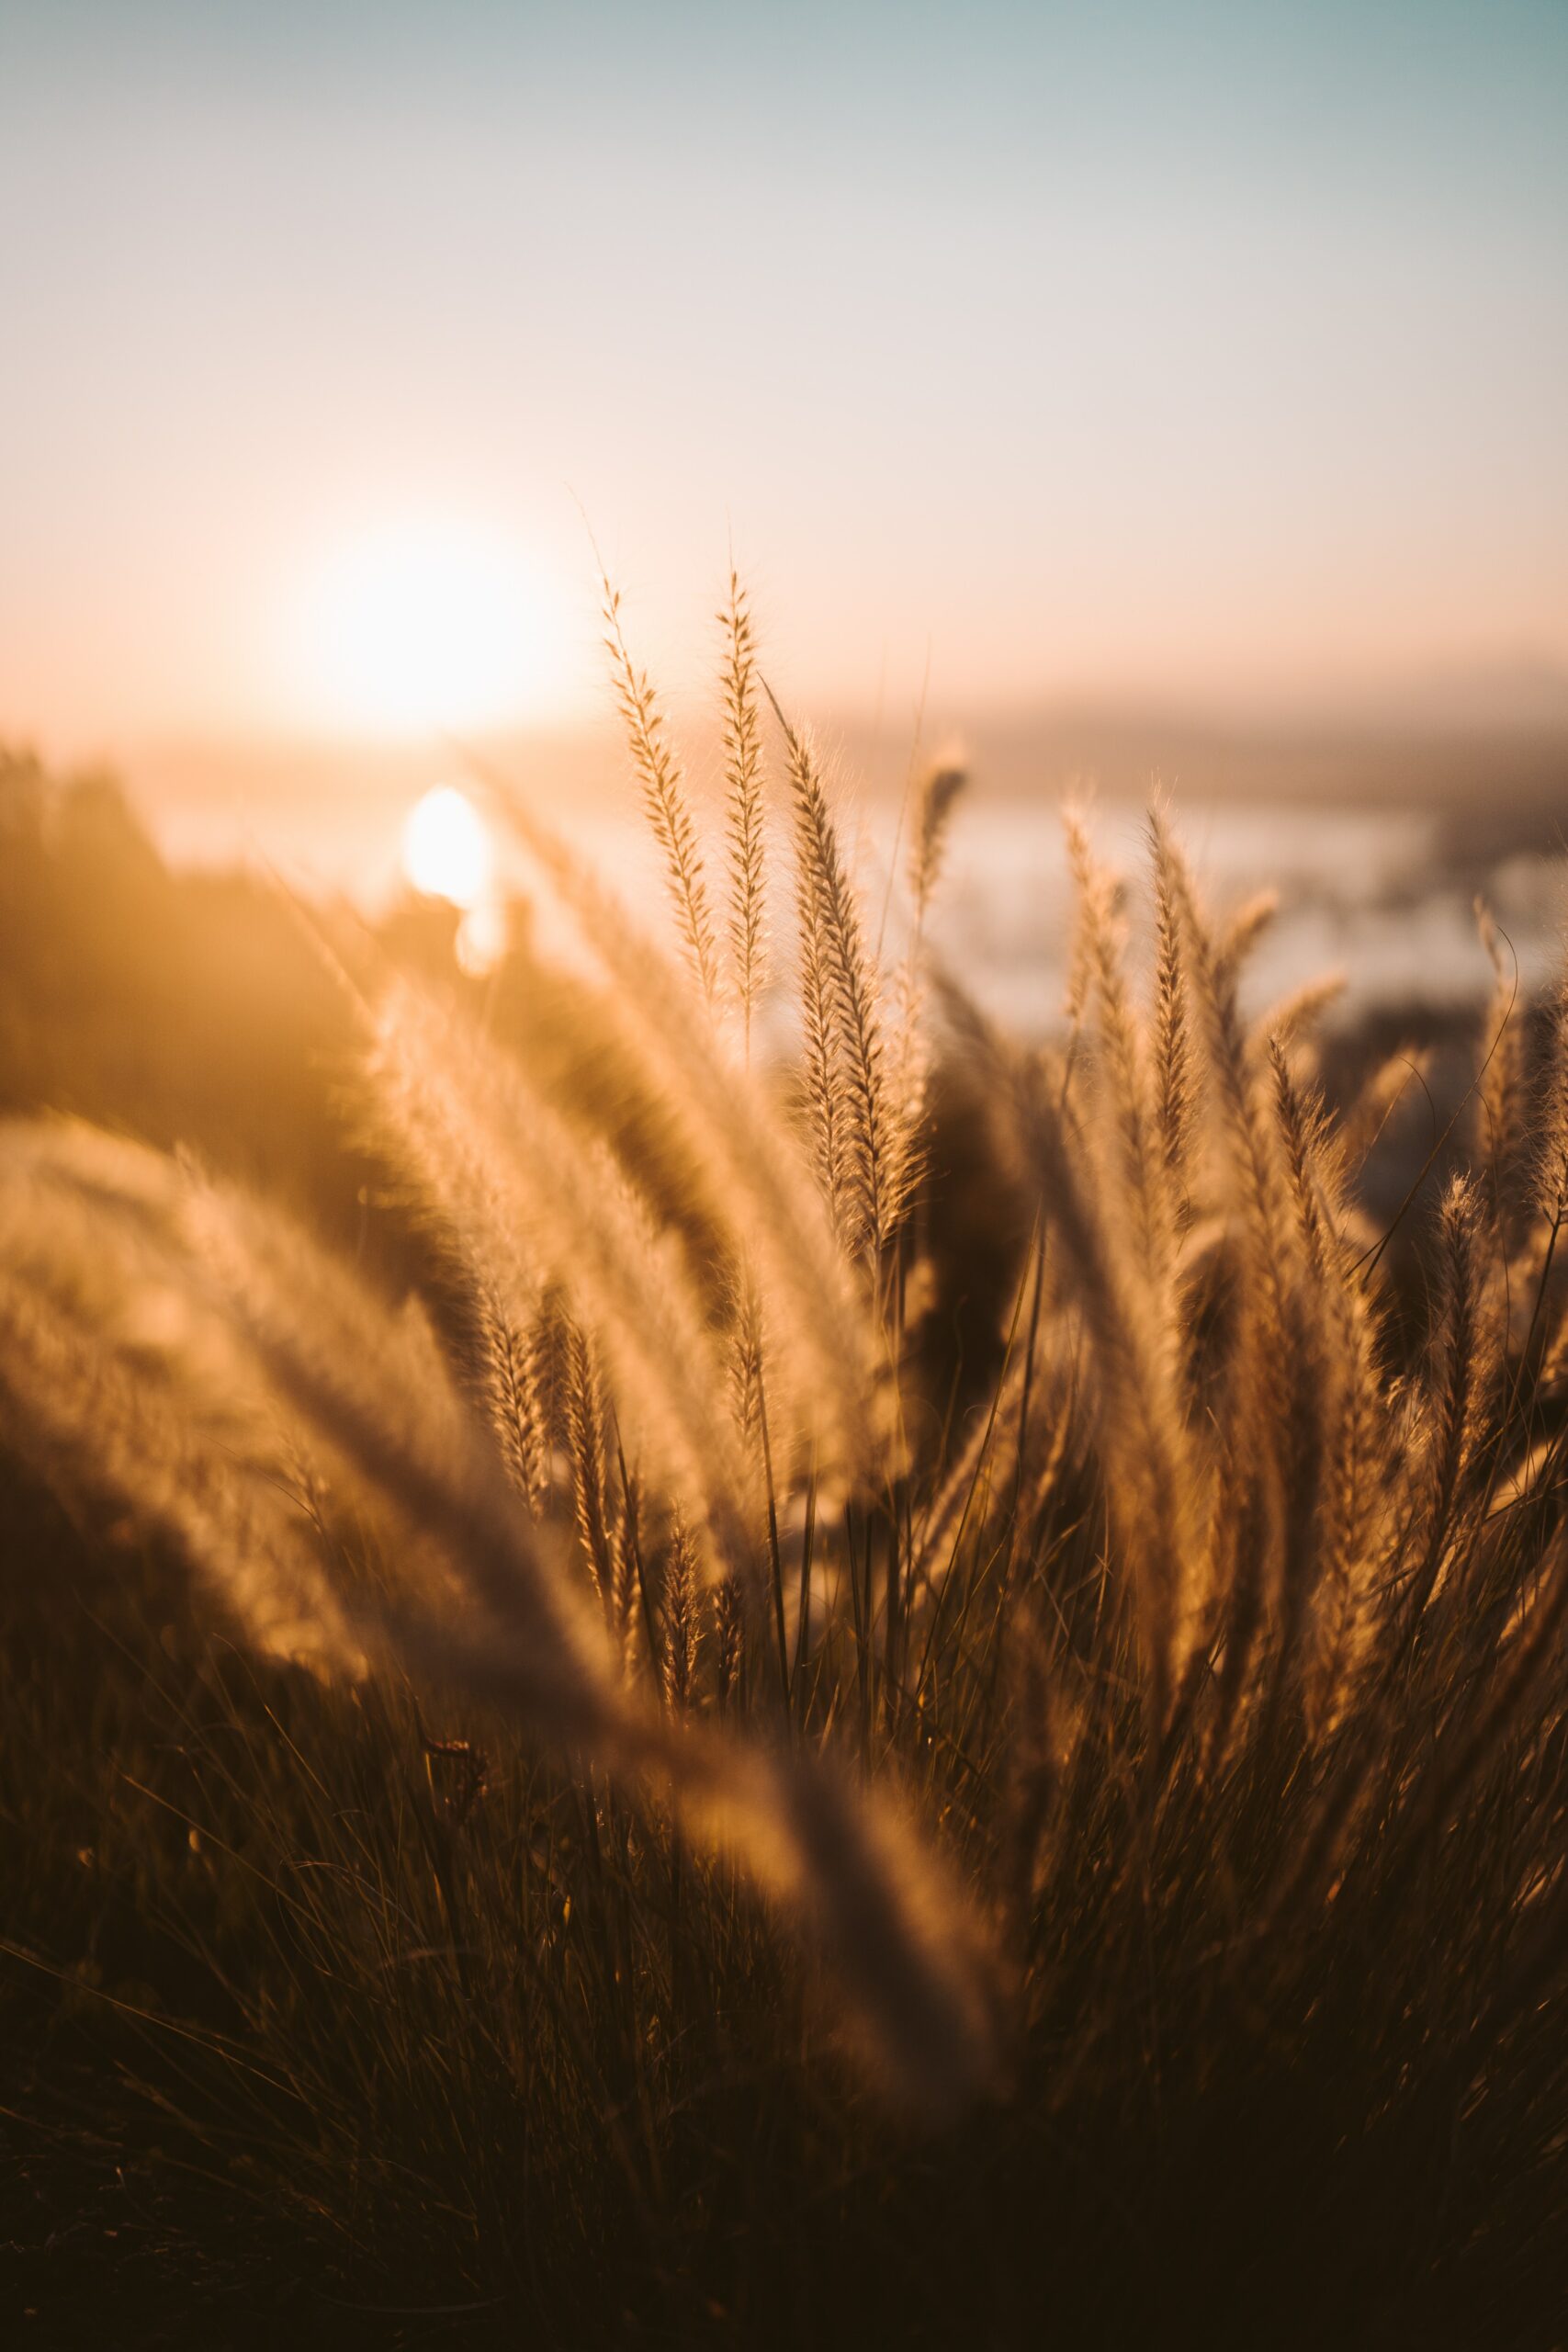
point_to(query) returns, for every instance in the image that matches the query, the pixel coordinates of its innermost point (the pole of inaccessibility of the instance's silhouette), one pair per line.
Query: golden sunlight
(421, 625)
(448, 851)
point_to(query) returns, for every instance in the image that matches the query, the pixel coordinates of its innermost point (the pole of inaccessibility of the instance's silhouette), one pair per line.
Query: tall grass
(1163, 1765)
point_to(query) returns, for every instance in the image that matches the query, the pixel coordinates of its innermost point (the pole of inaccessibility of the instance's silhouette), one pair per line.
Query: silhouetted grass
(578, 1777)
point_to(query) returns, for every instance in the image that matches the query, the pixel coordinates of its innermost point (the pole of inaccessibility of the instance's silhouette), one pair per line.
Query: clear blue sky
(1219, 350)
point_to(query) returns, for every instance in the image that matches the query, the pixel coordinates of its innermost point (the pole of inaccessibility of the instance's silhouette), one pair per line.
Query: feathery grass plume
(1356, 1474)
(680, 1616)
(115, 1387)
(508, 1387)
(739, 1160)
(900, 1943)
(627, 1572)
(1283, 1372)
(1347, 1312)
(1318, 1178)
(543, 1367)
(497, 1290)
(1302, 1126)
(1122, 1106)
(822, 1098)
(746, 1358)
(504, 1355)
(501, 1169)
(1240, 1598)
(569, 1049)
(1465, 1362)
(665, 799)
(583, 1398)
(1329, 1379)
(1500, 1121)
(1136, 1418)
(176, 1279)
(1550, 1170)
(1247, 1135)
(305, 1349)
(1170, 1043)
(500, 1311)
(690, 1167)
(744, 810)
(940, 788)
(846, 1077)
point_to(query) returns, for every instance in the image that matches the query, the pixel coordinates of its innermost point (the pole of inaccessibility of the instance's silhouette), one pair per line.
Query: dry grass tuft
(1171, 1747)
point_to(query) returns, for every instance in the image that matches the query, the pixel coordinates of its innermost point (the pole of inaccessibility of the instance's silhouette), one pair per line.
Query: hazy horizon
(1203, 358)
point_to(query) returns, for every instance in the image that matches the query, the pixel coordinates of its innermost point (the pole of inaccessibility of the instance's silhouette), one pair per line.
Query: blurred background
(1136, 395)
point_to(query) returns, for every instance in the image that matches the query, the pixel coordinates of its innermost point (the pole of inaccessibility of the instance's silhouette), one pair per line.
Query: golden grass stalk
(942, 787)
(446, 1108)
(665, 800)
(847, 1086)
(743, 809)
(681, 1617)
(1500, 1112)
(1549, 1189)
(637, 1049)
(939, 790)
(1124, 1108)
(1172, 1045)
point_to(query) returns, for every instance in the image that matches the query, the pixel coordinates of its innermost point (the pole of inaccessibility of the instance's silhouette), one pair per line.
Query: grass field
(663, 1688)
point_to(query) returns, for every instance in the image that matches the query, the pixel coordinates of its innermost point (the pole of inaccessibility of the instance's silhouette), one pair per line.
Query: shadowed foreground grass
(573, 1772)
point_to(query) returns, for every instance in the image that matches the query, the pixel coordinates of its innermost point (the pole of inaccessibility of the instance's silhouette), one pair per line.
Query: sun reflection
(448, 851)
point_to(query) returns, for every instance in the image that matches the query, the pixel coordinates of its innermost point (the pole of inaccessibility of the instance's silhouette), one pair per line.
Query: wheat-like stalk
(845, 1071)
(665, 799)
(639, 1050)
(744, 810)
(910, 1057)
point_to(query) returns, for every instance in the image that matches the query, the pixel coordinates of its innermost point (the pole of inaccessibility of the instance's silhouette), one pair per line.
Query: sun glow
(448, 851)
(423, 625)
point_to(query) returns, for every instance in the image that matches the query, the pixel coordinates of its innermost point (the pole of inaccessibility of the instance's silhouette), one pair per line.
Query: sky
(1151, 349)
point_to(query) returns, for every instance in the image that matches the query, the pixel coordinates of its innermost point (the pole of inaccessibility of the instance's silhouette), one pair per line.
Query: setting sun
(421, 625)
